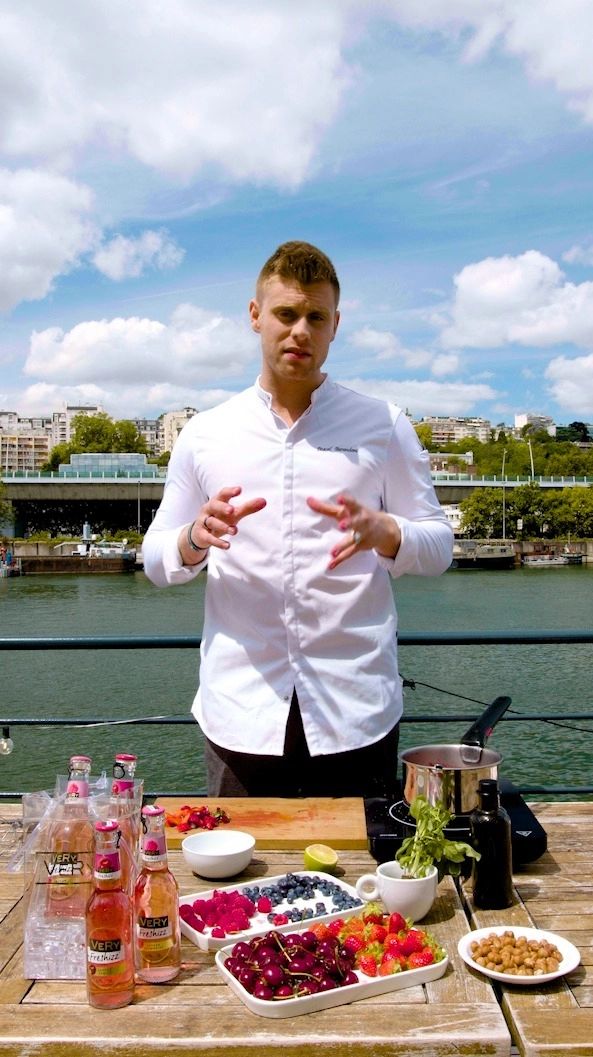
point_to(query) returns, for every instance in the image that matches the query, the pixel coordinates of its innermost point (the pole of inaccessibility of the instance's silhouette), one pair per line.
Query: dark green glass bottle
(492, 873)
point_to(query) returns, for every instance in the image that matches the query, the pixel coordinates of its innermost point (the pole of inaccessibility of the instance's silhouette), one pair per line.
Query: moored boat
(475, 554)
(548, 559)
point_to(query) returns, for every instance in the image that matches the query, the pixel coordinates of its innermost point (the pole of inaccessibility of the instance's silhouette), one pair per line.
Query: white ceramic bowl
(218, 852)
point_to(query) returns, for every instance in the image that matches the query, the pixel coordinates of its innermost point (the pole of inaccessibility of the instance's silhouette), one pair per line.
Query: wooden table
(458, 1014)
(555, 893)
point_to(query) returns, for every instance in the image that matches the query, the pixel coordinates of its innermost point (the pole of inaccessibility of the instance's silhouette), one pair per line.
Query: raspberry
(280, 919)
(419, 958)
(264, 904)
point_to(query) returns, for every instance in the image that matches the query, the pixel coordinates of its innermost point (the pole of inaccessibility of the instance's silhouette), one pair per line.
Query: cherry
(261, 990)
(272, 974)
(284, 991)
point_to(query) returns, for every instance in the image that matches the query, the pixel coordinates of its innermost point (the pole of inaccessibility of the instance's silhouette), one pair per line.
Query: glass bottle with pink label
(71, 847)
(156, 905)
(109, 936)
(123, 808)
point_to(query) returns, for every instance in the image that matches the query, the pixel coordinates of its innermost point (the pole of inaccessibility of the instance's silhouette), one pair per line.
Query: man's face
(297, 325)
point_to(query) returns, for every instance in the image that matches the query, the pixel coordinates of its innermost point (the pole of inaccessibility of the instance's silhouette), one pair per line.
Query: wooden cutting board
(283, 823)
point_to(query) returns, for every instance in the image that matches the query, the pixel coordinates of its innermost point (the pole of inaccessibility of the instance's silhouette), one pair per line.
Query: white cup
(412, 897)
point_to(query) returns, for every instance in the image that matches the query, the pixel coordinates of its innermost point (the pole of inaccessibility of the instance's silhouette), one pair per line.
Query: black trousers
(367, 772)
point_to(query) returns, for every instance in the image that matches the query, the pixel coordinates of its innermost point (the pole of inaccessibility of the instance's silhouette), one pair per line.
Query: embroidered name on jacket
(337, 448)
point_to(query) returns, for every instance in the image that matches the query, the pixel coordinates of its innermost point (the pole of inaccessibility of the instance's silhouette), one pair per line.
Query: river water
(119, 684)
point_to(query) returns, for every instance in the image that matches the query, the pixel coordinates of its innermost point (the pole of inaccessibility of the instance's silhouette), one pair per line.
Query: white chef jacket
(276, 619)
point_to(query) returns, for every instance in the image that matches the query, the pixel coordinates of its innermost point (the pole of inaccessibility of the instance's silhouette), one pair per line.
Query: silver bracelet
(193, 545)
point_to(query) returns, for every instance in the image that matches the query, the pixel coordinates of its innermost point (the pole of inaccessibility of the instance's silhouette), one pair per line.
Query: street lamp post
(531, 459)
(504, 526)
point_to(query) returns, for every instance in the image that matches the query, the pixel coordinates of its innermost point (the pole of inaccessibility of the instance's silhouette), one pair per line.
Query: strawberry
(372, 913)
(354, 924)
(419, 958)
(389, 966)
(367, 964)
(413, 941)
(319, 929)
(396, 923)
(375, 933)
(354, 944)
(336, 926)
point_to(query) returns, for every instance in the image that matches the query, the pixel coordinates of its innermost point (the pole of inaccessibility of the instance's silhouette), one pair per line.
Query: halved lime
(320, 857)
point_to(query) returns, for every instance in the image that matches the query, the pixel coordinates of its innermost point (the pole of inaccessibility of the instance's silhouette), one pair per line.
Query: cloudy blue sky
(153, 154)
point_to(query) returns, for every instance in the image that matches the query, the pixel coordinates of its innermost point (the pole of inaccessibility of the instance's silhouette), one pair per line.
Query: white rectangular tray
(366, 987)
(259, 922)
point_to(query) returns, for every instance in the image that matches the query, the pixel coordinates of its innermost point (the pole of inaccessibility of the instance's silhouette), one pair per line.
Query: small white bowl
(218, 852)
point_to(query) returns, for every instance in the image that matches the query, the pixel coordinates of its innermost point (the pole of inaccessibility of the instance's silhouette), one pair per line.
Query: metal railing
(158, 473)
(459, 638)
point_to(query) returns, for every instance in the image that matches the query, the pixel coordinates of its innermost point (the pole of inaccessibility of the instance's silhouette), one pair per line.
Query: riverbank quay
(463, 1012)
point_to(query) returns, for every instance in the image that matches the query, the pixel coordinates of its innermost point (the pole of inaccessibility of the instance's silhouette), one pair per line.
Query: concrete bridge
(34, 485)
(38, 487)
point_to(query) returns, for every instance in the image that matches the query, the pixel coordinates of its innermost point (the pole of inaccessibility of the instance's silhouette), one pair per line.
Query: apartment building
(447, 430)
(61, 421)
(171, 424)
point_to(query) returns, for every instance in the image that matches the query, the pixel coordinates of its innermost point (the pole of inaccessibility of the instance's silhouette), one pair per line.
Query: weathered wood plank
(228, 1028)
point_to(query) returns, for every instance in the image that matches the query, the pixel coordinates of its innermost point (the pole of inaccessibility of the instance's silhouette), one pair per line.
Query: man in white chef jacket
(303, 498)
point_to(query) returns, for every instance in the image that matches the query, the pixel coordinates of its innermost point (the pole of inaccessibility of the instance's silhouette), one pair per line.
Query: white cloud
(119, 402)
(424, 398)
(387, 346)
(43, 232)
(446, 364)
(194, 347)
(571, 384)
(579, 255)
(247, 87)
(551, 38)
(521, 299)
(125, 258)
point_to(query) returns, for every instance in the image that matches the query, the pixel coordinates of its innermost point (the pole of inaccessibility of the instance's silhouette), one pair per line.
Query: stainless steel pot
(451, 773)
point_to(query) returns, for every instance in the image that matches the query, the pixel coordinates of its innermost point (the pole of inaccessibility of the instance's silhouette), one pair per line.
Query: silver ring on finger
(356, 537)
(205, 522)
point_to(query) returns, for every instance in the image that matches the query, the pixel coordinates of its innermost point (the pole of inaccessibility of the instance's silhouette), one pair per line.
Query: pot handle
(482, 728)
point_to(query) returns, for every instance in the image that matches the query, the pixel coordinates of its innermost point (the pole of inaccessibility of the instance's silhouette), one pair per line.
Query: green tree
(93, 432)
(6, 511)
(127, 438)
(424, 432)
(481, 514)
(59, 454)
(97, 433)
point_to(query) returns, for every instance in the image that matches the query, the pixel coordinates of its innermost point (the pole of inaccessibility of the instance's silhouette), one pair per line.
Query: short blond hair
(299, 262)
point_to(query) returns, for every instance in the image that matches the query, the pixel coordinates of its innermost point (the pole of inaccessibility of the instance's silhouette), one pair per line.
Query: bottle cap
(489, 795)
(106, 827)
(152, 811)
